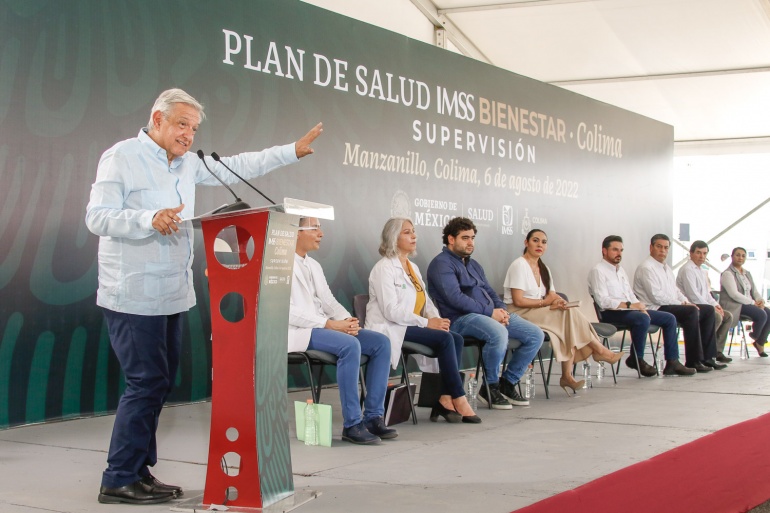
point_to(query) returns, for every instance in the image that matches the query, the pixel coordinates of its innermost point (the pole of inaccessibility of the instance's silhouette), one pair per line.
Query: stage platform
(511, 460)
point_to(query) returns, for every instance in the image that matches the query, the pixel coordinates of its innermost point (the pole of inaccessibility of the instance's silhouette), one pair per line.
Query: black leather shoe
(645, 369)
(714, 365)
(721, 358)
(675, 368)
(134, 493)
(699, 367)
(156, 485)
(377, 427)
(358, 434)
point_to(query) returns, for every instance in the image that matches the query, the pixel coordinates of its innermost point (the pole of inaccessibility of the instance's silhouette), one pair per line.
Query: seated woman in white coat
(530, 293)
(318, 321)
(400, 308)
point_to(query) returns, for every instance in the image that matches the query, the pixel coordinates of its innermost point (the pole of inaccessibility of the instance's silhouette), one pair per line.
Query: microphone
(238, 205)
(216, 157)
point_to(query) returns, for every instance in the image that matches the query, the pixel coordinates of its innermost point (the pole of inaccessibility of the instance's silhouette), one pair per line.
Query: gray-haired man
(144, 187)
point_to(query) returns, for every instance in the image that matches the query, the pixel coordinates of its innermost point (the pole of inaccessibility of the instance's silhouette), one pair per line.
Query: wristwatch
(628, 304)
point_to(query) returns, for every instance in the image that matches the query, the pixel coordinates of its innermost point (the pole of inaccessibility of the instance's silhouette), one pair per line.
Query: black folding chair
(742, 331)
(318, 360)
(654, 328)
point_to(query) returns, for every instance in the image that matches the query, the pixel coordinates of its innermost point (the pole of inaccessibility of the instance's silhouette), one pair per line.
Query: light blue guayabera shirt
(141, 271)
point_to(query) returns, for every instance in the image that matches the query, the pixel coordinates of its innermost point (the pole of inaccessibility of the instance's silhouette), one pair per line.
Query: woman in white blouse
(530, 293)
(400, 308)
(739, 296)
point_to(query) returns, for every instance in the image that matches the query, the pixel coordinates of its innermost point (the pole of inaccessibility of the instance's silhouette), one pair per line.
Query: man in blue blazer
(461, 292)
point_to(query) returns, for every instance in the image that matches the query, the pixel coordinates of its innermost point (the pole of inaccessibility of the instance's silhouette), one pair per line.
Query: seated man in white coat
(317, 321)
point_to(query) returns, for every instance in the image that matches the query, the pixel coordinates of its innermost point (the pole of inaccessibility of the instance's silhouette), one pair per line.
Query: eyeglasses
(309, 228)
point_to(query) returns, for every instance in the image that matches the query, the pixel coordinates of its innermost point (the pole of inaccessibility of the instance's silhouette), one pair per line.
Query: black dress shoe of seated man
(134, 493)
(377, 427)
(358, 434)
(714, 365)
(158, 486)
(675, 368)
(645, 369)
(721, 358)
(698, 366)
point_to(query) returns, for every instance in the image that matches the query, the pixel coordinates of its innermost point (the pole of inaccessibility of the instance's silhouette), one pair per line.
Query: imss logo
(507, 220)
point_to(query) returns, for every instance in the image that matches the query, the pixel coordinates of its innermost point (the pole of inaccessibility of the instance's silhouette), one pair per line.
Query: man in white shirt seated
(693, 283)
(655, 286)
(318, 321)
(609, 287)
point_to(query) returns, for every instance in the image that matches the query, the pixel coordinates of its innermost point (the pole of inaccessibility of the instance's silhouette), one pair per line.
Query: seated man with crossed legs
(318, 321)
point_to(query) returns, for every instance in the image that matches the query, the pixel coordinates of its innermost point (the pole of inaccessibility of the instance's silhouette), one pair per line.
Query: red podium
(250, 257)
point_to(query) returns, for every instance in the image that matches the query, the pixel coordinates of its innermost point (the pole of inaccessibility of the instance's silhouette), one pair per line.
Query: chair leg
(317, 393)
(655, 351)
(479, 371)
(622, 343)
(313, 392)
(550, 367)
(632, 350)
(405, 379)
(546, 379)
(744, 342)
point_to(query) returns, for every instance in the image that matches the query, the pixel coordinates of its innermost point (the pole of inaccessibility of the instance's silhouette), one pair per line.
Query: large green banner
(409, 129)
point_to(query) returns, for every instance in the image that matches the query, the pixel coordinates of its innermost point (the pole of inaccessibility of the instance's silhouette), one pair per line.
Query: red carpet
(726, 471)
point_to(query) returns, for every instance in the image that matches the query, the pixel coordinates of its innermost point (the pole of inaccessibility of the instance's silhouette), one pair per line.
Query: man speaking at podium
(144, 187)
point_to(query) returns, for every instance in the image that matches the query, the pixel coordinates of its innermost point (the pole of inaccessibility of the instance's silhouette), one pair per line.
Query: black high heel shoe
(471, 419)
(450, 416)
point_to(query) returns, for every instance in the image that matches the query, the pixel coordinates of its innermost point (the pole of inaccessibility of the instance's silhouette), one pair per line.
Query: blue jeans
(348, 350)
(759, 322)
(449, 349)
(495, 337)
(638, 323)
(148, 349)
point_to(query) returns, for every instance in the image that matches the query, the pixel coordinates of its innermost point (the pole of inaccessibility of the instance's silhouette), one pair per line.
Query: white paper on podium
(304, 208)
(293, 206)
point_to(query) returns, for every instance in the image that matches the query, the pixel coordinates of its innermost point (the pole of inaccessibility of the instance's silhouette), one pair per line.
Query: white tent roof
(702, 66)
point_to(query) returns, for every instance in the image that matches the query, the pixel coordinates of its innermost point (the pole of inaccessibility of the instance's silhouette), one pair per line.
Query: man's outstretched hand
(302, 147)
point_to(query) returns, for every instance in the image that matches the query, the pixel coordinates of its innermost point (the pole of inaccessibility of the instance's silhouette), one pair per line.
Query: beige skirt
(569, 330)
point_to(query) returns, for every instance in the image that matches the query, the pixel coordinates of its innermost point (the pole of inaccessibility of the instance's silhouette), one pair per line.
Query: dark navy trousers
(638, 322)
(148, 349)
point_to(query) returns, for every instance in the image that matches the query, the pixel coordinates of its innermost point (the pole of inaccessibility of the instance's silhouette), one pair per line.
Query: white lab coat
(303, 316)
(391, 303)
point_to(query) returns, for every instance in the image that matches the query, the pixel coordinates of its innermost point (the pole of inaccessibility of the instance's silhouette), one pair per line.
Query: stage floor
(513, 459)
